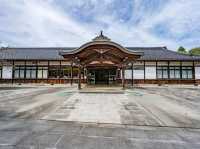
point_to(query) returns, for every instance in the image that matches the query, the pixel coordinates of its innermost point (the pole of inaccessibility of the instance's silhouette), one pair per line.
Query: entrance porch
(103, 60)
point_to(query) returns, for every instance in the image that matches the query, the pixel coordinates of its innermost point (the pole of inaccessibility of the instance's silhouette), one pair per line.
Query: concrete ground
(61, 117)
(37, 134)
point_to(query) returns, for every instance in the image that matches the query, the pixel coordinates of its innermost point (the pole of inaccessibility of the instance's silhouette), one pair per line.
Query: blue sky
(34, 23)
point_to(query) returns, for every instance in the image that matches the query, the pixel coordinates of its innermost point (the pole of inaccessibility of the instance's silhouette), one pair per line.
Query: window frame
(163, 70)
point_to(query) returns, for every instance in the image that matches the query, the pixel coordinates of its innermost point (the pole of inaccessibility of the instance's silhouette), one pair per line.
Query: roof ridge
(48, 48)
(148, 48)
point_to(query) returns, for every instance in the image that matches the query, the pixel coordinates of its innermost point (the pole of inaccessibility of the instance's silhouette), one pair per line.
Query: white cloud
(48, 23)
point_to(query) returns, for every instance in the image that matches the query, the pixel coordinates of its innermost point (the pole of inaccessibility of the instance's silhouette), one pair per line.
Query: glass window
(54, 71)
(75, 72)
(162, 72)
(174, 72)
(42, 72)
(65, 72)
(28, 73)
(187, 73)
(31, 72)
(19, 72)
(16, 73)
(165, 73)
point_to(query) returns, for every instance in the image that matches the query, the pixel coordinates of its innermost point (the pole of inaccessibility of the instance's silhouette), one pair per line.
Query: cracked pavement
(61, 117)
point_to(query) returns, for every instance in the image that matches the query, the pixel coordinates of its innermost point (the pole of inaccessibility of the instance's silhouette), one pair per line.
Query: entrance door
(102, 76)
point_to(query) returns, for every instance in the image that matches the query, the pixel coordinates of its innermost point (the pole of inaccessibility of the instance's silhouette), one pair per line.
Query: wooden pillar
(132, 74)
(71, 78)
(48, 72)
(181, 71)
(60, 72)
(24, 79)
(79, 77)
(123, 80)
(158, 80)
(83, 74)
(36, 77)
(145, 71)
(13, 71)
(193, 72)
(168, 66)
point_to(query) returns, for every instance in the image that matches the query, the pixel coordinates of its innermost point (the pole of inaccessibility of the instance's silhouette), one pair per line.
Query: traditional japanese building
(100, 61)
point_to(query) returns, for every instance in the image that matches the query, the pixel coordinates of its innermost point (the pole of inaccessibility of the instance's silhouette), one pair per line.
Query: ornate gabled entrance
(104, 60)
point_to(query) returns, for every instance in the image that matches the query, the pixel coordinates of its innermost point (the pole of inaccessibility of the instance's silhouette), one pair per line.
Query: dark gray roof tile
(150, 53)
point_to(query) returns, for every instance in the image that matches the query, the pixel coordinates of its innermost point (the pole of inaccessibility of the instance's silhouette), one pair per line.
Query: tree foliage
(195, 51)
(182, 50)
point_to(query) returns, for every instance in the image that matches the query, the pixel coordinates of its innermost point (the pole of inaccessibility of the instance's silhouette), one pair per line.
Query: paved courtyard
(61, 117)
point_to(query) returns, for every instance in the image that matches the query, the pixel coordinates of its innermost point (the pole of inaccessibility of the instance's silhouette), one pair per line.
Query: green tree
(195, 51)
(182, 50)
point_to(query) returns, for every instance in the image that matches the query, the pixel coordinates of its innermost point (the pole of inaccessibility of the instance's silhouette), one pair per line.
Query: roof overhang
(125, 50)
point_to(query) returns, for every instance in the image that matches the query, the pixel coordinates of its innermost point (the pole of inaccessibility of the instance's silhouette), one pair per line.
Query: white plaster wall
(150, 72)
(7, 72)
(197, 72)
(128, 74)
(138, 74)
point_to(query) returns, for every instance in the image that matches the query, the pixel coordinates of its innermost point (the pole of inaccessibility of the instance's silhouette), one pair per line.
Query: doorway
(101, 76)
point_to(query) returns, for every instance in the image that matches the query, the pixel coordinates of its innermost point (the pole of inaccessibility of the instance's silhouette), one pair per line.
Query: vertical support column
(36, 77)
(145, 71)
(132, 74)
(48, 72)
(25, 71)
(71, 80)
(168, 67)
(193, 72)
(59, 72)
(123, 80)
(83, 74)
(181, 72)
(79, 77)
(157, 80)
(13, 71)
(117, 75)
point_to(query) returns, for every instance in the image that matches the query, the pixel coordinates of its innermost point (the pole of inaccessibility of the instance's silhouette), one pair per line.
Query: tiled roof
(32, 53)
(150, 53)
(161, 53)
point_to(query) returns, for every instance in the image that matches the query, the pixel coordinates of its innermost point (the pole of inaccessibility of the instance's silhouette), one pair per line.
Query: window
(162, 72)
(75, 72)
(42, 72)
(65, 72)
(54, 71)
(30, 72)
(174, 72)
(187, 73)
(19, 72)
